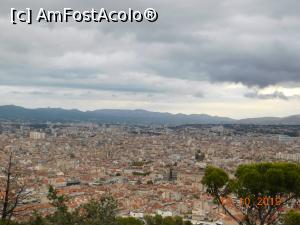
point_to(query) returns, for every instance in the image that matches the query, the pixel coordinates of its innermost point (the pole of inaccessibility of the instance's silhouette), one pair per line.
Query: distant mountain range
(16, 113)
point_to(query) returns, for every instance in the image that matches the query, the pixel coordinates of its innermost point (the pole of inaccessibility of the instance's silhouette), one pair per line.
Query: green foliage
(264, 179)
(159, 220)
(187, 223)
(6, 222)
(140, 163)
(140, 173)
(58, 201)
(291, 218)
(268, 179)
(214, 179)
(129, 221)
(156, 220)
(150, 182)
(37, 219)
(94, 220)
(255, 181)
(100, 213)
(61, 215)
(137, 163)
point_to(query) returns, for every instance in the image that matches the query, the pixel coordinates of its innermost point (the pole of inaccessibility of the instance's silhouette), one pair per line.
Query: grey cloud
(45, 93)
(251, 42)
(198, 95)
(88, 85)
(274, 95)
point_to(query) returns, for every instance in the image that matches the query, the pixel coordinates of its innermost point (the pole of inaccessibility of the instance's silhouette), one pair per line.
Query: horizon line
(140, 109)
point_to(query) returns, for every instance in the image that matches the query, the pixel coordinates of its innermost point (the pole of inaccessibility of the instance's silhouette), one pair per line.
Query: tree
(101, 212)
(169, 221)
(58, 201)
(129, 221)
(37, 219)
(13, 190)
(159, 220)
(263, 188)
(61, 215)
(156, 220)
(291, 218)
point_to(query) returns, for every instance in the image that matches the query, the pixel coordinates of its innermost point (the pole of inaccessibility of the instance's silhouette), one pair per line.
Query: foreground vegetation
(102, 212)
(264, 189)
(277, 183)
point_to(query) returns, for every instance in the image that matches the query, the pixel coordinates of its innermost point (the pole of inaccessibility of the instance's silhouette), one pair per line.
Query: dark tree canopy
(291, 218)
(129, 221)
(277, 183)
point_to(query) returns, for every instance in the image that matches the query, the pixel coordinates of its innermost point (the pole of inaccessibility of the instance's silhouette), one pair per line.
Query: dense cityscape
(154, 113)
(149, 170)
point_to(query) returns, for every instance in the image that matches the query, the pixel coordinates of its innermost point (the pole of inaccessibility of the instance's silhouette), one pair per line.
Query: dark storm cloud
(251, 42)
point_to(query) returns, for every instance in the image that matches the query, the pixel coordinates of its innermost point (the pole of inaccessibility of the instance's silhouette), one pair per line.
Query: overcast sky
(236, 58)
